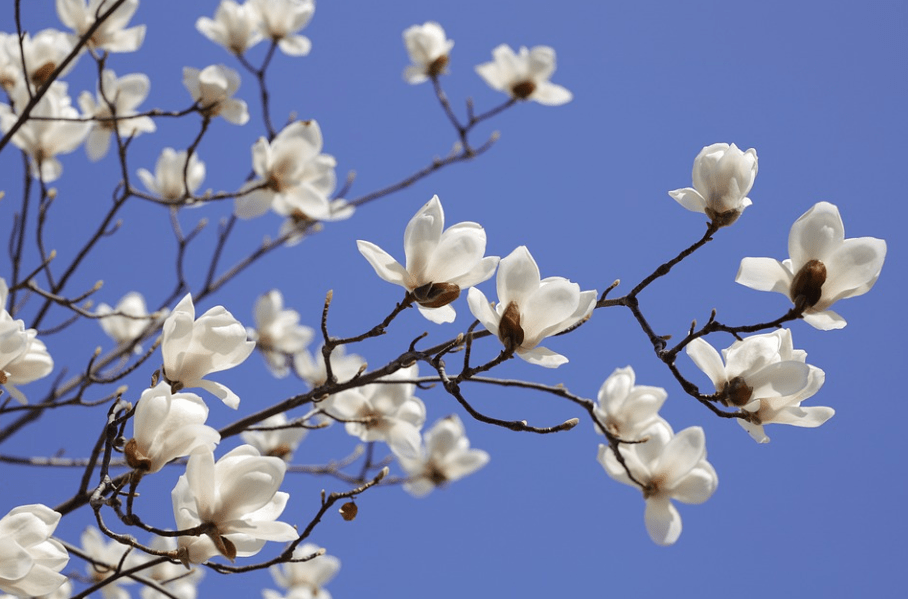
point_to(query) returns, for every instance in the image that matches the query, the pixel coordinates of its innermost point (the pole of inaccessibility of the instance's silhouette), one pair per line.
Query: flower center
(436, 295)
(509, 330)
(737, 392)
(438, 66)
(523, 90)
(808, 283)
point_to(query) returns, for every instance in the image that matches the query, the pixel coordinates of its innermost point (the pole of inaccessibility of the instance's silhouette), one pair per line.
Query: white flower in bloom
(669, 467)
(294, 178)
(112, 35)
(530, 309)
(279, 442)
(23, 357)
(440, 262)
(212, 88)
(124, 329)
(824, 266)
(44, 140)
(42, 54)
(428, 49)
(311, 368)
(723, 176)
(107, 554)
(167, 426)
(237, 498)
(125, 93)
(383, 411)
(235, 26)
(30, 561)
(446, 457)
(525, 76)
(625, 408)
(167, 181)
(195, 348)
(765, 376)
(280, 21)
(278, 333)
(304, 580)
(172, 576)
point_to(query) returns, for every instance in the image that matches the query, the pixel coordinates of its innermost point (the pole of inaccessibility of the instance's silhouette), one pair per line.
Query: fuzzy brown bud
(509, 329)
(523, 90)
(438, 66)
(737, 392)
(436, 295)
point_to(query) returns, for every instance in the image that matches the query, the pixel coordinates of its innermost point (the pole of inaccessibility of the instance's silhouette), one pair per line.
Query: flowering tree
(173, 408)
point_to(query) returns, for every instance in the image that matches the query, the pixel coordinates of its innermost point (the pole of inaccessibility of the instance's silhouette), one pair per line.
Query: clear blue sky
(818, 88)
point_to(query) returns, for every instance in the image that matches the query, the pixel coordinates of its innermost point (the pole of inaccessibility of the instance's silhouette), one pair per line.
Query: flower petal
(663, 522)
(385, 266)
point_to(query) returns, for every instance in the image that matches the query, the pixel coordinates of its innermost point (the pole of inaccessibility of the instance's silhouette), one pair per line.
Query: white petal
(440, 315)
(482, 310)
(690, 198)
(542, 356)
(550, 94)
(707, 359)
(663, 522)
(764, 274)
(385, 266)
(815, 234)
(825, 320)
(295, 45)
(518, 277)
(422, 236)
(853, 268)
(230, 399)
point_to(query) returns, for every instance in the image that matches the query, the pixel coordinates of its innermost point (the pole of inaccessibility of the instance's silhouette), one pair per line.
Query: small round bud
(348, 511)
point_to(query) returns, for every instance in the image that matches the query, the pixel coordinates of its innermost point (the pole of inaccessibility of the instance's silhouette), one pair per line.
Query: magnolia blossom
(440, 262)
(525, 76)
(627, 409)
(30, 561)
(428, 49)
(669, 467)
(237, 498)
(125, 94)
(41, 54)
(445, 457)
(767, 378)
(294, 178)
(112, 35)
(277, 442)
(824, 266)
(172, 576)
(723, 176)
(383, 411)
(194, 348)
(108, 559)
(235, 26)
(168, 426)
(530, 309)
(128, 320)
(280, 21)
(167, 181)
(278, 333)
(311, 368)
(43, 140)
(212, 89)
(23, 357)
(304, 580)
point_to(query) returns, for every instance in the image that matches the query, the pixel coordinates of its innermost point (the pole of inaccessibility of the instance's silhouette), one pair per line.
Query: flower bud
(808, 283)
(436, 295)
(509, 330)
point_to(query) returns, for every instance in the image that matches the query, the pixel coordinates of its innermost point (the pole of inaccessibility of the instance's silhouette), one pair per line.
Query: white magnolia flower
(237, 498)
(723, 176)
(212, 88)
(167, 181)
(278, 442)
(125, 93)
(167, 426)
(824, 266)
(311, 368)
(41, 54)
(193, 348)
(124, 329)
(278, 333)
(765, 376)
(282, 19)
(669, 467)
(627, 409)
(525, 76)
(107, 555)
(428, 49)
(383, 411)
(43, 140)
(304, 580)
(530, 309)
(445, 457)
(171, 575)
(235, 26)
(294, 178)
(112, 35)
(30, 561)
(23, 357)
(440, 262)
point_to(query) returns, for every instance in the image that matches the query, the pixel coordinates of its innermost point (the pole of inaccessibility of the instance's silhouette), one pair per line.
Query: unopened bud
(808, 283)
(348, 511)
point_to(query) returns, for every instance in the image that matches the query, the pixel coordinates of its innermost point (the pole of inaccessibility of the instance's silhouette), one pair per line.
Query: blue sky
(819, 89)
